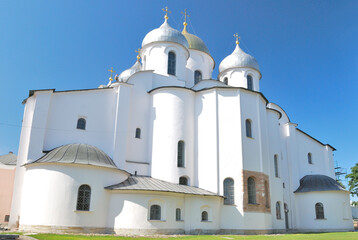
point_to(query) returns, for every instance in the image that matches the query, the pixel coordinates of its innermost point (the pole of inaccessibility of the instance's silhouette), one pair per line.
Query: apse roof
(78, 154)
(310, 183)
(8, 159)
(145, 183)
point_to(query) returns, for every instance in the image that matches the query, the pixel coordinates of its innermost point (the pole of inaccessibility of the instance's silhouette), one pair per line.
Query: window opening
(83, 198)
(229, 191)
(251, 190)
(81, 123)
(171, 63)
(155, 212)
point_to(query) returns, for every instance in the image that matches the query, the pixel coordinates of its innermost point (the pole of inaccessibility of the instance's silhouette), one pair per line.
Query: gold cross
(166, 12)
(185, 15)
(138, 51)
(237, 38)
(110, 78)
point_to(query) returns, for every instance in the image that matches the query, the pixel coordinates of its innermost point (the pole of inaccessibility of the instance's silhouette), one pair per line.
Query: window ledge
(320, 219)
(234, 205)
(151, 220)
(180, 220)
(250, 138)
(82, 211)
(254, 204)
(206, 221)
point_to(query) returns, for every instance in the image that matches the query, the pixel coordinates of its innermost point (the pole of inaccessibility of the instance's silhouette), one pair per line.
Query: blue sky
(307, 52)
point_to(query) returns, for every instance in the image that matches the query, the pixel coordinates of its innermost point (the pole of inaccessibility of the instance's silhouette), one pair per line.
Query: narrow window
(251, 189)
(229, 191)
(249, 83)
(81, 123)
(309, 157)
(183, 181)
(278, 210)
(171, 63)
(181, 153)
(204, 216)
(83, 198)
(197, 76)
(276, 165)
(7, 218)
(267, 195)
(319, 211)
(137, 133)
(155, 212)
(248, 128)
(178, 214)
(225, 81)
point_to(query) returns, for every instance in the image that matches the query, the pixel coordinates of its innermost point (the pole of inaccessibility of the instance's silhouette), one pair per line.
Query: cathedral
(166, 148)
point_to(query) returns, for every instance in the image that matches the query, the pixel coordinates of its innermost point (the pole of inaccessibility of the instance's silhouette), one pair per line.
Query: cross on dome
(166, 12)
(237, 38)
(138, 52)
(185, 15)
(111, 70)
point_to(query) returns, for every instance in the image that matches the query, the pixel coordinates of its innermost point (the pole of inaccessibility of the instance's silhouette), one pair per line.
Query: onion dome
(194, 41)
(238, 59)
(165, 33)
(126, 74)
(311, 183)
(77, 154)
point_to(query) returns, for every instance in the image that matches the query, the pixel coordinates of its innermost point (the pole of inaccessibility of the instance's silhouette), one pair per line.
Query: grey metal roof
(310, 183)
(8, 159)
(146, 183)
(77, 154)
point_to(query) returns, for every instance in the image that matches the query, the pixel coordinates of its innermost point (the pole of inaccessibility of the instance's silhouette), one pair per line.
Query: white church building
(165, 148)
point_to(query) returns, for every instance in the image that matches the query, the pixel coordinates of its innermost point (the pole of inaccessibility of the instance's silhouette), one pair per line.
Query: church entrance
(286, 216)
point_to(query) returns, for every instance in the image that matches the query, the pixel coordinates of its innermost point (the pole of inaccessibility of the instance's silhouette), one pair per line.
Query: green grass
(311, 236)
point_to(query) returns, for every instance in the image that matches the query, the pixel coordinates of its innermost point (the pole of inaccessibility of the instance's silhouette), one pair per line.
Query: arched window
(267, 195)
(319, 211)
(137, 133)
(83, 198)
(250, 85)
(171, 63)
(248, 128)
(278, 210)
(183, 181)
(204, 216)
(309, 157)
(197, 76)
(229, 191)
(251, 189)
(155, 212)
(81, 123)
(178, 214)
(181, 154)
(225, 81)
(276, 165)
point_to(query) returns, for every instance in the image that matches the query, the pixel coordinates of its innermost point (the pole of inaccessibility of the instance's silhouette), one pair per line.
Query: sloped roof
(145, 183)
(77, 154)
(311, 183)
(8, 159)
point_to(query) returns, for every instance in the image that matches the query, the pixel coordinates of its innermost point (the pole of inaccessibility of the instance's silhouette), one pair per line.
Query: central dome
(195, 42)
(165, 33)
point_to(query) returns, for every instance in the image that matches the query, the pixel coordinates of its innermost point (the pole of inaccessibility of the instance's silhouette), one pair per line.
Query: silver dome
(123, 77)
(165, 33)
(238, 59)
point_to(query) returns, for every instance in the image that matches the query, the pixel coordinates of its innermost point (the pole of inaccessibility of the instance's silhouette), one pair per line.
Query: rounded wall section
(237, 77)
(337, 214)
(49, 199)
(155, 57)
(173, 122)
(198, 61)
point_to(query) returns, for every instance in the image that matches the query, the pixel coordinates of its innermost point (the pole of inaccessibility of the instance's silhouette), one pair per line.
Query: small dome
(165, 33)
(238, 59)
(78, 154)
(310, 183)
(126, 74)
(195, 42)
